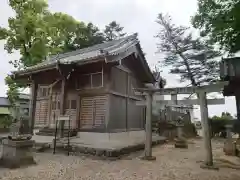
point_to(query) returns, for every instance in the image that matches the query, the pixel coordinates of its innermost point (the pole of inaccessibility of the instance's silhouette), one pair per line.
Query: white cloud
(135, 15)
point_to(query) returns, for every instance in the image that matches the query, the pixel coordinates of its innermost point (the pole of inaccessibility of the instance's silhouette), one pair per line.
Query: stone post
(229, 148)
(228, 131)
(208, 164)
(180, 141)
(179, 132)
(148, 130)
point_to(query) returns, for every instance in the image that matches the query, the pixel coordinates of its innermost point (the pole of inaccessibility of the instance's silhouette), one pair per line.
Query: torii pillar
(148, 129)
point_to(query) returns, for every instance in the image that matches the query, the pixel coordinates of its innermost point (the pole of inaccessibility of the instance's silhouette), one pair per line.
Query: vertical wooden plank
(62, 104)
(205, 122)
(107, 119)
(108, 85)
(107, 77)
(127, 99)
(63, 96)
(78, 112)
(32, 108)
(49, 106)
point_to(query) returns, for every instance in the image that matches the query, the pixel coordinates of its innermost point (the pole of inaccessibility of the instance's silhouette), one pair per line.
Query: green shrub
(5, 121)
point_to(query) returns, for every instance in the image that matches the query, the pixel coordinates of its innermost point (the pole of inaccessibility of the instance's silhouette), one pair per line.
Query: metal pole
(55, 136)
(148, 128)
(206, 130)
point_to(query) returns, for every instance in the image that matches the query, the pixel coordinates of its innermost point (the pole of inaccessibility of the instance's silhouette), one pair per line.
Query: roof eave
(32, 71)
(146, 66)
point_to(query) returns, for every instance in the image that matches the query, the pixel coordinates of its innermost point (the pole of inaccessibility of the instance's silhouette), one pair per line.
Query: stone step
(51, 132)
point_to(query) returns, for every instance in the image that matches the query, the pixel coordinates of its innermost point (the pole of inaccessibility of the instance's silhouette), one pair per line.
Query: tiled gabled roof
(111, 48)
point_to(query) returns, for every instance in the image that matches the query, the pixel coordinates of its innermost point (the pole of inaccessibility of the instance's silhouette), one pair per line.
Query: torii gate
(202, 101)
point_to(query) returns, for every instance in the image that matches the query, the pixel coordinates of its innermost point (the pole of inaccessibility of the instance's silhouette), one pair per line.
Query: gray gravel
(171, 163)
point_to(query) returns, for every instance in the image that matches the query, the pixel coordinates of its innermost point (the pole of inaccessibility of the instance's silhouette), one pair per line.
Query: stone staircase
(51, 132)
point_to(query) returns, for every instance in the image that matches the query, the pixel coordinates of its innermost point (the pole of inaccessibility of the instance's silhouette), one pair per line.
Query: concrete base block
(209, 167)
(118, 136)
(148, 158)
(17, 153)
(230, 148)
(180, 143)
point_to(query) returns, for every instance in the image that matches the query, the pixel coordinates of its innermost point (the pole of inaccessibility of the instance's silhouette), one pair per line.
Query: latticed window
(43, 91)
(71, 104)
(89, 81)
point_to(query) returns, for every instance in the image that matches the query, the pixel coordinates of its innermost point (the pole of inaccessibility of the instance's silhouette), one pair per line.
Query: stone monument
(230, 147)
(17, 148)
(180, 141)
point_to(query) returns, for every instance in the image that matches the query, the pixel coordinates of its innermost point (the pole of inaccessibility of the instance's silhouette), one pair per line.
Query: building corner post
(32, 107)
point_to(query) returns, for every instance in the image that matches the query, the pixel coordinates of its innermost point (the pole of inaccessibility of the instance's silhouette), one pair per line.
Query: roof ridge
(97, 46)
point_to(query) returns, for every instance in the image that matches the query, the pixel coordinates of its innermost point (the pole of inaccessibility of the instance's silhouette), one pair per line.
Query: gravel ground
(171, 163)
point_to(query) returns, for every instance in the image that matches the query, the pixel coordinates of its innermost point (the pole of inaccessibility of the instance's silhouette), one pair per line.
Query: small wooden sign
(63, 118)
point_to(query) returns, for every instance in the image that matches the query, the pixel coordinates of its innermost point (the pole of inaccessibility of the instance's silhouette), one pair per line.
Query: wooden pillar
(148, 129)
(237, 98)
(108, 85)
(78, 112)
(127, 98)
(206, 129)
(62, 105)
(32, 107)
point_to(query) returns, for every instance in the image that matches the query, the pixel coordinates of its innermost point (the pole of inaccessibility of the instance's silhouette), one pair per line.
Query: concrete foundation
(119, 136)
(102, 144)
(16, 153)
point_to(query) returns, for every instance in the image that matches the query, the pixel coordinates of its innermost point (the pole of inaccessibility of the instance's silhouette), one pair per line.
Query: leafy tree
(192, 59)
(224, 116)
(37, 33)
(220, 21)
(113, 31)
(92, 36)
(27, 33)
